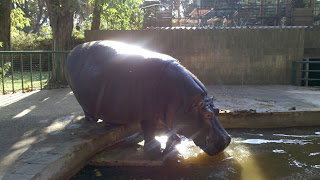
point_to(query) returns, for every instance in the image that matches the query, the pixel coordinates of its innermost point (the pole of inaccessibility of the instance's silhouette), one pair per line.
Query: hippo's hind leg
(152, 147)
(89, 117)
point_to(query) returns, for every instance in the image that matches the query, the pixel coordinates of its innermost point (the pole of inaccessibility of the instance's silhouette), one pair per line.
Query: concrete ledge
(69, 158)
(270, 119)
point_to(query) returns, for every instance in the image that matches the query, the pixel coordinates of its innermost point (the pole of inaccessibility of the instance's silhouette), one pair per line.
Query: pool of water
(290, 153)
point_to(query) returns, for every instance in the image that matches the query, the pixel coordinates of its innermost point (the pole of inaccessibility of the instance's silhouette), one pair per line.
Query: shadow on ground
(34, 123)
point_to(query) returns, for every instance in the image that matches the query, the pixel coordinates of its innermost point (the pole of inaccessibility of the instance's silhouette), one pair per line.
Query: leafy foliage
(6, 67)
(45, 32)
(122, 15)
(24, 41)
(18, 21)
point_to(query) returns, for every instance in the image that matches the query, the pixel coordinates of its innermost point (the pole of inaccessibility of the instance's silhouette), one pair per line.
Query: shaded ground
(33, 123)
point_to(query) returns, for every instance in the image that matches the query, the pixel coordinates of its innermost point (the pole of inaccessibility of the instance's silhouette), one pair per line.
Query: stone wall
(312, 42)
(223, 56)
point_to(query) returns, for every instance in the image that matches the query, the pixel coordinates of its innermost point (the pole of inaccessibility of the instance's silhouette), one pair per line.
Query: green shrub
(24, 42)
(6, 67)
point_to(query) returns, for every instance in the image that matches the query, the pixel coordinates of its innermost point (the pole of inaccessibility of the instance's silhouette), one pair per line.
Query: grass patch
(17, 81)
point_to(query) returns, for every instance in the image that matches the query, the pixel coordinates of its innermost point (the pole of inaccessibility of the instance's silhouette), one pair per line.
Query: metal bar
(2, 74)
(307, 74)
(40, 67)
(12, 73)
(49, 70)
(31, 71)
(294, 75)
(307, 62)
(58, 67)
(308, 79)
(309, 71)
(21, 71)
(9, 52)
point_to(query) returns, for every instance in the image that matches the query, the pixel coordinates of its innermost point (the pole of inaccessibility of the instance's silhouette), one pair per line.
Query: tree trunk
(96, 15)
(5, 24)
(36, 28)
(61, 22)
(39, 17)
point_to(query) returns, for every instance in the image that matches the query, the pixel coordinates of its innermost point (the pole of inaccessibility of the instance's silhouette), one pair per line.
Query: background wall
(223, 56)
(312, 42)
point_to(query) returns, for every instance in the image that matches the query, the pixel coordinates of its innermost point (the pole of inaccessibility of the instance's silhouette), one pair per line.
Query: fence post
(12, 73)
(307, 73)
(31, 71)
(49, 70)
(2, 74)
(40, 66)
(294, 75)
(21, 71)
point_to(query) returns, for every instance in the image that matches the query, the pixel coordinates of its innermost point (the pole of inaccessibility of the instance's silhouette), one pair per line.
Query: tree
(122, 15)
(5, 24)
(36, 11)
(96, 14)
(61, 21)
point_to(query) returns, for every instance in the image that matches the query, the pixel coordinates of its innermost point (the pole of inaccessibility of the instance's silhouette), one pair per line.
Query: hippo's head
(204, 128)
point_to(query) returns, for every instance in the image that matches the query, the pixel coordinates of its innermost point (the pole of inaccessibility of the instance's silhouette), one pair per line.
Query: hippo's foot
(172, 141)
(152, 149)
(89, 117)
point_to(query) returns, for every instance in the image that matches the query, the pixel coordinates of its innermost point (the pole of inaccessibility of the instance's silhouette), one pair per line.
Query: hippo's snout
(213, 147)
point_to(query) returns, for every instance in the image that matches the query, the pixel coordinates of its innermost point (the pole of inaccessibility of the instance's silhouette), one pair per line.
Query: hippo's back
(115, 81)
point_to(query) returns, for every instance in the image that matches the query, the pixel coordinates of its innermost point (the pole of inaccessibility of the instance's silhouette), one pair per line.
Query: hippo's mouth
(209, 147)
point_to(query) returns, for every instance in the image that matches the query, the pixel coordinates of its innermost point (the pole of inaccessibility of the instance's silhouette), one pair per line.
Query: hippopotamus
(121, 84)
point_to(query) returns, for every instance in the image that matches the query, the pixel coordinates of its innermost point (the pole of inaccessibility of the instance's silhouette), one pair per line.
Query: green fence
(23, 71)
(307, 72)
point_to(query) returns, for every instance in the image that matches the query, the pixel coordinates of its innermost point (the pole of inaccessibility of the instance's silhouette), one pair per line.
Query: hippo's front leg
(152, 147)
(173, 140)
(89, 117)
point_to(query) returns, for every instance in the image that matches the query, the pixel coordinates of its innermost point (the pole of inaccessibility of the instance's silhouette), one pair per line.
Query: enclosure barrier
(306, 72)
(27, 70)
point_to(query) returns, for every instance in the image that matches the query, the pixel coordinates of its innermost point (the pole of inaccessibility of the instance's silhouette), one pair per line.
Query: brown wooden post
(288, 12)
(178, 2)
(312, 6)
(170, 8)
(277, 12)
(261, 7)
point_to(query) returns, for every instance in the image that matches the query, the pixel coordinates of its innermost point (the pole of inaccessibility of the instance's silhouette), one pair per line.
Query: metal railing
(27, 70)
(305, 71)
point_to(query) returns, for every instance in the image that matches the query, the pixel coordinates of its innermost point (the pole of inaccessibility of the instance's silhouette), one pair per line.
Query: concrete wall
(312, 42)
(223, 56)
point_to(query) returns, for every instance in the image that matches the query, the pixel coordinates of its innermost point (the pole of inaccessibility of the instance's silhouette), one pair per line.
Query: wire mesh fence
(24, 71)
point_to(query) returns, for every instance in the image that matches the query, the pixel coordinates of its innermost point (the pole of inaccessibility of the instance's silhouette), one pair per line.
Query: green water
(290, 153)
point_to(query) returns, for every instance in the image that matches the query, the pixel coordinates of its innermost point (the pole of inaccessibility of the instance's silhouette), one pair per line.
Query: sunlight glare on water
(188, 149)
(192, 154)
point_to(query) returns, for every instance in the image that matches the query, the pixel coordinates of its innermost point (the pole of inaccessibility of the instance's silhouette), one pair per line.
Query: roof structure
(200, 12)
